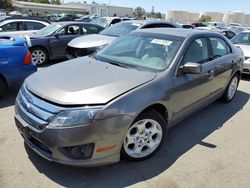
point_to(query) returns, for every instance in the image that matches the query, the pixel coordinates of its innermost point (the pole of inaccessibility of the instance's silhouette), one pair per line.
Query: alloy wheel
(38, 57)
(143, 138)
(232, 87)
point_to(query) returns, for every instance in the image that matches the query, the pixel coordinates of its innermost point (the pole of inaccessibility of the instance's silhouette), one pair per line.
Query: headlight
(71, 118)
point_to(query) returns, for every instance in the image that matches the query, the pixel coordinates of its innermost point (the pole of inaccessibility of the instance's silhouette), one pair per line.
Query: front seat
(155, 55)
(194, 53)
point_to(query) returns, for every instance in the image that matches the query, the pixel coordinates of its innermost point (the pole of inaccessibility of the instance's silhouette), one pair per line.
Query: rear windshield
(120, 29)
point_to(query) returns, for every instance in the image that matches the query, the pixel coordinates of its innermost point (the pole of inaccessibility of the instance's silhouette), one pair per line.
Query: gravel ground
(208, 149)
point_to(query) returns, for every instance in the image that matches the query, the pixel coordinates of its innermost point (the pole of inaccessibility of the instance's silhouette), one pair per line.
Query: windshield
(50, 29)
(120, 29)
(100, 21)
(141, 50)
(242, 38)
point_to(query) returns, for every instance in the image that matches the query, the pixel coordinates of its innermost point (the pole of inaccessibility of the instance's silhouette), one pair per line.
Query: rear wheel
(231, 89)
(39, 55)
(144, 137)
(3, 87)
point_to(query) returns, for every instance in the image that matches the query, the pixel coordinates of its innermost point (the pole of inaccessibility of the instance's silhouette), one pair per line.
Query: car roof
(74, 22)
(26, 18)
(179, 32)
(5, 21)
(246, 31)
(146, 22)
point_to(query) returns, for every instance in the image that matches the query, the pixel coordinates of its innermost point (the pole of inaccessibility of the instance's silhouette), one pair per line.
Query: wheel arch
(160, 108)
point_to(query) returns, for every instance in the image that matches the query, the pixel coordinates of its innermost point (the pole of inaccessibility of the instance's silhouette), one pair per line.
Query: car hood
(245, 48)
(90, 41)
(85, 81)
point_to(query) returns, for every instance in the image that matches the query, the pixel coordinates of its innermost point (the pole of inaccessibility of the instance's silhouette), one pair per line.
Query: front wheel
(231, 89)
(144, 137)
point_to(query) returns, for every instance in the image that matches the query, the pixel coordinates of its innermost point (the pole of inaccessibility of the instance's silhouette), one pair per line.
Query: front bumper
(49, 142)
(79, 52)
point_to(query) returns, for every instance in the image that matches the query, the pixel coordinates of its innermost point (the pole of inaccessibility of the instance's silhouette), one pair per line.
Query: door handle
(210, 74)
(234, 61)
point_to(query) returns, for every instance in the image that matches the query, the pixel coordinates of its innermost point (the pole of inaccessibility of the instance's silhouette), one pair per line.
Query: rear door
(29, 26)
(60, 40)
(194, 90)
(223, 60)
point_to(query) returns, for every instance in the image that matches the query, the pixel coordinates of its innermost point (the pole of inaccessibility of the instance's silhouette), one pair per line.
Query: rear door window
(165, 25)
(219, 47)
(33, 25)
(90, 29)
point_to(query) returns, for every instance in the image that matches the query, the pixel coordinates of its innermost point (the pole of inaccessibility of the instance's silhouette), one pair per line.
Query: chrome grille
(29, 107)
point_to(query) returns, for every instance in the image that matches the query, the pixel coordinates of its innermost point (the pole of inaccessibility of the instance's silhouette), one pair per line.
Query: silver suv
(119, 103)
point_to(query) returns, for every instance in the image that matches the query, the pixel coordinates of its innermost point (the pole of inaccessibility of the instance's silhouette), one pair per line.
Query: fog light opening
(80, 152)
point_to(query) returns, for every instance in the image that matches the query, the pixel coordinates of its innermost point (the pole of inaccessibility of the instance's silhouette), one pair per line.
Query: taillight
(27, 59)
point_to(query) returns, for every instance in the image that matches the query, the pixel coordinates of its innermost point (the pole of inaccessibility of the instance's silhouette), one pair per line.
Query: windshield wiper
(118, 64)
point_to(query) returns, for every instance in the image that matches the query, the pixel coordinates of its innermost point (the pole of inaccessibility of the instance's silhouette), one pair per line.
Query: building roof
(31, 5)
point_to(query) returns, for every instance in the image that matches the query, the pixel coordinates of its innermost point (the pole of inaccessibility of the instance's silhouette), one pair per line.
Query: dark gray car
(50, 42)
(119, 103)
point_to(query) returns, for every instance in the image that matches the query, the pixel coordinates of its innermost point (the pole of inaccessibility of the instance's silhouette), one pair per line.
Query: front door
(60, 40)
(192, 90)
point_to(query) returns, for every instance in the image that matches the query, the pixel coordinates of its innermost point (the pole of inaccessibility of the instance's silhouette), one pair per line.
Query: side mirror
(191, 68)
(57, 35)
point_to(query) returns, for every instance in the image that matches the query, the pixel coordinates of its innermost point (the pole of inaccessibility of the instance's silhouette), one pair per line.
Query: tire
(3, 87)
(231, 89)
(144, 137)
(39, 55)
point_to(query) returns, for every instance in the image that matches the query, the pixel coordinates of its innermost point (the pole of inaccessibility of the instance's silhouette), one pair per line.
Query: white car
(108, 21)
(20, 26)
(242, 40)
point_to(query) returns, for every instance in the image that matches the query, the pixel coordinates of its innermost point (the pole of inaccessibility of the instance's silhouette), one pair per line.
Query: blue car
(15, 62)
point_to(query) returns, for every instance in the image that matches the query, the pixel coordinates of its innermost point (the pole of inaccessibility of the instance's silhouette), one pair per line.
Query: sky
(185, 5)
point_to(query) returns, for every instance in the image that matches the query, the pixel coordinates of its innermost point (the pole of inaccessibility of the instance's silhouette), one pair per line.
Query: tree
(41, 1)
(139, 12)
(205, 18)
(158, 15)
(5, 4)
(57, 2)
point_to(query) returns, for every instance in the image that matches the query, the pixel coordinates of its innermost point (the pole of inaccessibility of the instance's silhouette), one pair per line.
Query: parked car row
(87, 45)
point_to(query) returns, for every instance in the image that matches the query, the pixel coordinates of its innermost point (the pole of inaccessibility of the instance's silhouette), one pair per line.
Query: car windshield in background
(120, 29)
(100, 21)
(242, 38)
(153, 52)
(46, 31)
